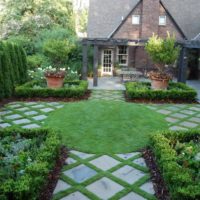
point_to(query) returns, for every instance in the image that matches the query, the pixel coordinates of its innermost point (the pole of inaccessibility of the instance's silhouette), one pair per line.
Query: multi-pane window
(162, 20)
(122, 55)
(107, 61)
(136, 19)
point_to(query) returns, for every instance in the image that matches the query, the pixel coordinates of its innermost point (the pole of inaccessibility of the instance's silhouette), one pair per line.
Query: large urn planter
(54, 82)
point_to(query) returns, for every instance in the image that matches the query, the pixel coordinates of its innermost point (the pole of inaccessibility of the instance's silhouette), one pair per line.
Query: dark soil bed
(47, 191)
(159, 185)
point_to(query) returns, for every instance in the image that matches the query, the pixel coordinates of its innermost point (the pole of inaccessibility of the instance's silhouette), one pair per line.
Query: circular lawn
(105, 127)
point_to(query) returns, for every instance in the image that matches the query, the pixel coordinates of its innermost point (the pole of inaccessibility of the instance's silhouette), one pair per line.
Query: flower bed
(178, 157)
(26, 158)
(175, 91)
(73, 89)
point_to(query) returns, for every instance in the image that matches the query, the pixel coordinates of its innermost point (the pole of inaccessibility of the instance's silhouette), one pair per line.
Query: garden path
(95, 176)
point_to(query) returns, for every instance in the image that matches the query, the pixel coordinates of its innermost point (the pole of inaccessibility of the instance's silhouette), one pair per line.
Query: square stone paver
(38, 106)
(148, 187)
(165, 112)
(22, 109)
(46, 110)
(61, 106)
(81, 154)
(189, 124)
(104, 188)
(140, 161)
(5, 112)
(173, 108)
(70, 161)
(29, 113)
(198, 115)
(80, 173)
(194, 108)
(128, 174)
(5, 125)
(189, 112)
(171, 120)
(39, 117)
(31, 126)
(30, 103)
(61, 186)
(15, 116)
(177, 128)
(127, 156)
(195, 119)
(179, 115)
(75, 196)
(15, 105)
(132, 196)
(105, 162)
(22, 121)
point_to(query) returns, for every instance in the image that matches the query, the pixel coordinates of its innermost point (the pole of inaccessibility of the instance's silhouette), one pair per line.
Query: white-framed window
(122, 55)
(136, 19)
(162, 20)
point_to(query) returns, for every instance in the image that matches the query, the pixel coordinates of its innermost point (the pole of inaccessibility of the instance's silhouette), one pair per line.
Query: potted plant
(163, 53)
(57, 51)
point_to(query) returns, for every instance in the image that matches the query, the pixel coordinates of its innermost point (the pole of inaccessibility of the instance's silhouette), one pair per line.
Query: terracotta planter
(55, 82)
(159, 84)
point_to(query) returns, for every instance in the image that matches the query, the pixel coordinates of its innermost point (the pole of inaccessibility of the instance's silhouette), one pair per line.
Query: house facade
(138, 20)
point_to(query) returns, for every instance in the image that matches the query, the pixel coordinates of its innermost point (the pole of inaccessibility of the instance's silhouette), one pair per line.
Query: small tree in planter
(57, 51)
(163, 52)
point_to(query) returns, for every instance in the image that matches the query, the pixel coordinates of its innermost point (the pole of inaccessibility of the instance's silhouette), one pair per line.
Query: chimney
(150, 18)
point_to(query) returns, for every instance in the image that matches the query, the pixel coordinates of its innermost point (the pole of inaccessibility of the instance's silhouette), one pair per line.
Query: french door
(107, 61)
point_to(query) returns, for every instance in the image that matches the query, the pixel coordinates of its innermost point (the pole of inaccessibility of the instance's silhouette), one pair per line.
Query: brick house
(138, 20)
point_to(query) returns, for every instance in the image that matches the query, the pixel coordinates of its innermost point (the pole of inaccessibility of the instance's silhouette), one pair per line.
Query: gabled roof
(105, 16)
(197, 37)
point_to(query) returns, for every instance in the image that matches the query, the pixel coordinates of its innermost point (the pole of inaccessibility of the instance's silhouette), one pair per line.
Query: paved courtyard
(88, 176)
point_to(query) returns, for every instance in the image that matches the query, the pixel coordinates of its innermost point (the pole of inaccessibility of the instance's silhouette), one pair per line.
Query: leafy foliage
(176, 91)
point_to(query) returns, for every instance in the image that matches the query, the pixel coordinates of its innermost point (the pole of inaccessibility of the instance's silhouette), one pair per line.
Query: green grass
(105, 127)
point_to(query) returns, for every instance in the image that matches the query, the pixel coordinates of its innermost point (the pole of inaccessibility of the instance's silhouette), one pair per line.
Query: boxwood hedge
(178, 178)
(30, 90)
(34, 175)
(176, 91)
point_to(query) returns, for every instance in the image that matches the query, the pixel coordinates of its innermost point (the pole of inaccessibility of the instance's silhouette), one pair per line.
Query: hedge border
(141, 90)
(178, 179)
(27, 90)
(36, 175)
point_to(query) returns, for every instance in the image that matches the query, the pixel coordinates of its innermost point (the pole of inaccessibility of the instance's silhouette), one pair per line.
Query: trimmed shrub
(176, 91)
(13, 68)
(178, 178)
(35, 154)
(34, 89)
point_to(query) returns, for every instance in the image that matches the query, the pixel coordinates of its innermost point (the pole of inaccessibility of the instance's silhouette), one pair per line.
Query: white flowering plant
(72, 75)
(54, 72)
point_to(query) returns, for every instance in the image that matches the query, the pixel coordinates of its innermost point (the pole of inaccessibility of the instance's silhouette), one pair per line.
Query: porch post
(85, 61)
(182, 65)
(95, 66)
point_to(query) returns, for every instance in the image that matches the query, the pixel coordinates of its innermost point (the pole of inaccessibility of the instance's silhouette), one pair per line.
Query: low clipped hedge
(176, 91)
(34, 175)
(29, 91)
(178, 178)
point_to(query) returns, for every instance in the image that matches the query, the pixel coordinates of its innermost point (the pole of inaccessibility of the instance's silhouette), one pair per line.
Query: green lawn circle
(105, 126)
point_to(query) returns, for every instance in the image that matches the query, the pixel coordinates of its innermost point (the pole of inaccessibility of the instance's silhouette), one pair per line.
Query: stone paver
(80, 173)
(15, 116)
(132, 196)
(15, 105)
(171, 120)
(189, 124)
(31, 126)
(165, 112)
(195, 109)
(46, 110)
(188, 112)
(81, 154)
(5, 125)
(38, 106)
(172, 108)
(140, 161)
(5, 112)
(105, 162)
(128, 174)
(179, 115)
(22, 109)
(148, 187)
(70, 161)
(127, 156)
(39, 117)
(61, 186)
(31, 113)
(75, 196)
(195, 119)
(22, 121)
(104, 188)
(177, 128)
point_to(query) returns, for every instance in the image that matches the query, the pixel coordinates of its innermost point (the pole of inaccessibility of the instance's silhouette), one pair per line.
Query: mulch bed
(159, 186)
(48, 99)
(47, 191)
